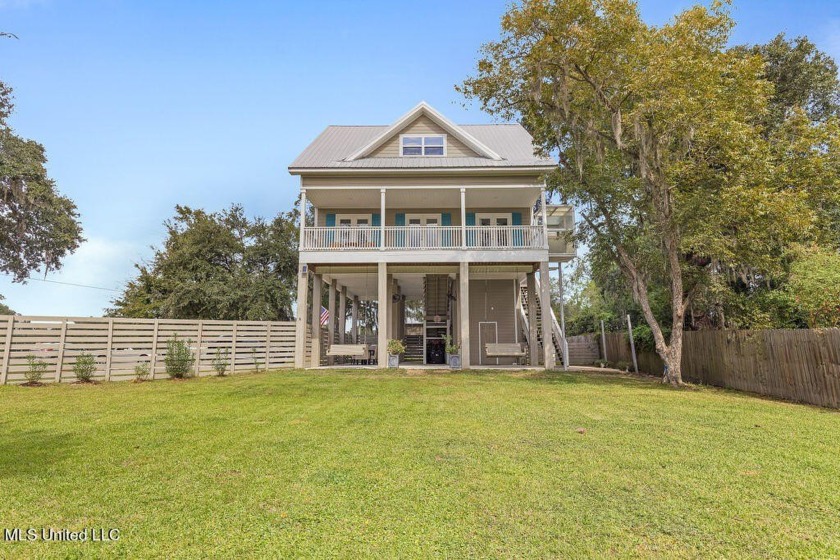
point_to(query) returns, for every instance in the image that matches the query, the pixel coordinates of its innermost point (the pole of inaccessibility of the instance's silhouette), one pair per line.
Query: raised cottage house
(425, 229)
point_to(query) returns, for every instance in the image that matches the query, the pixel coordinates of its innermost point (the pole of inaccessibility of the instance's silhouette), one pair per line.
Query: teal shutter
(376, 221)
(470, 219)
(399, 220)
(330, 223)
(518, 238)
(446, 220)
(470, 234)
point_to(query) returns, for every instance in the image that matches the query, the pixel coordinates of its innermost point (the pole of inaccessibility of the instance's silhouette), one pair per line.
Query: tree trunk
(673, 358)
(671, 353)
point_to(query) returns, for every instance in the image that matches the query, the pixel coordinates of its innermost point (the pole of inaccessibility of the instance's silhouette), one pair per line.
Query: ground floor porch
(495, 313)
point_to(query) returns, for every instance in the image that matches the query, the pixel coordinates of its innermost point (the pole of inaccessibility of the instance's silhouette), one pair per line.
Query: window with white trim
(423, 145)
(423, 219)
(353, 220)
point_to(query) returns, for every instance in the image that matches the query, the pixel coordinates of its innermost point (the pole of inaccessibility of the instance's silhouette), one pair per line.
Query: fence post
(7, 350)
(632, 344)
(60, 360)
(233, 350)
(603, 341)
(198, 349)
(109, 350)
(153, 361)
(268, 344)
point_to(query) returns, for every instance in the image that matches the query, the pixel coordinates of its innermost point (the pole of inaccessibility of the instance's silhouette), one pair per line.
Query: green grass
(491, 464)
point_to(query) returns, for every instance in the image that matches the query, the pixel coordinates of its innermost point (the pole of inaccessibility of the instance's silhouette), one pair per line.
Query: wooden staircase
(557, 337)
(413, 348)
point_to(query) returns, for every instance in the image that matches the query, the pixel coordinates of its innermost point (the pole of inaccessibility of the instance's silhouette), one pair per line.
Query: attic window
(427, 145)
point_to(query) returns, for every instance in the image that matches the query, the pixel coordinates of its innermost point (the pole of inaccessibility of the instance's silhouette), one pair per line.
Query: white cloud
(99, 263)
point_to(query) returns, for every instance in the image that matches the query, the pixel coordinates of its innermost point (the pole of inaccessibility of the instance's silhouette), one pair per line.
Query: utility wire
(73, 284)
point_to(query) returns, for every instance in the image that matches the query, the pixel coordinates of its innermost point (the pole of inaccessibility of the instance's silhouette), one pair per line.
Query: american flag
(325, 315)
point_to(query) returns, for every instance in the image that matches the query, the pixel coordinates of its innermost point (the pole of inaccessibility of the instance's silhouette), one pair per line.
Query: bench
(504, 350)
(355, 351)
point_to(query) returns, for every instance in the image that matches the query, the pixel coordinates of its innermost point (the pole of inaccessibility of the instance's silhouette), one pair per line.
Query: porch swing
(356, 352)
(495, 349)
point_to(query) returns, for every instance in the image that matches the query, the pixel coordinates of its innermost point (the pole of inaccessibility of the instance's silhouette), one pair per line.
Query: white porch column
(382, 319)
(317, 285)
(333, 319)
(463, 218)
(302, 227)
(545, 310)
(389, 294)
(354, 322)
(464, 312)
(300, 316)
(342, 315)
(544, 220)
(381, 219)
(563, 318)
(533, 345)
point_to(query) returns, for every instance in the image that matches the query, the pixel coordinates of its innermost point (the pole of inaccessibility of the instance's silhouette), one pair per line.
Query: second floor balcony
(441, 223)
(423, 237)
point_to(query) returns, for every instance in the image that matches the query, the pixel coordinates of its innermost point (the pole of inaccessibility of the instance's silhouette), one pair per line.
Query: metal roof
(336, 143)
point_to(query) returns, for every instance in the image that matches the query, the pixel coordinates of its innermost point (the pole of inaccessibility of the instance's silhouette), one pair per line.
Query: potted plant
(453, 353)
(395, 348)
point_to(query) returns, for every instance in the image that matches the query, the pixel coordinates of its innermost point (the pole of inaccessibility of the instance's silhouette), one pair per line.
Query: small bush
(600, 363)
(622, 365)
(396, 347)
(36, 370)
(221, 362)
(643, 337)
(257, 361)
(451, 347)
(179, 358)
(84, 367)
(142, 370)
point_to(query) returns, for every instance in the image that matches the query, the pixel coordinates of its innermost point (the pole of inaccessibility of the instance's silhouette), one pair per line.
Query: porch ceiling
(361, 281)
(423, 197)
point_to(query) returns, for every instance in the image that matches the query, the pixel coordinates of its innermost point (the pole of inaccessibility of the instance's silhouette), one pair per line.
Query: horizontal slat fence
(118, 345)
(583, 349)
(797, 364)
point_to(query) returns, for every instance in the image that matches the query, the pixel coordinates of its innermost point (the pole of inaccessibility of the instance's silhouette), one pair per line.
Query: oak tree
(658, 132)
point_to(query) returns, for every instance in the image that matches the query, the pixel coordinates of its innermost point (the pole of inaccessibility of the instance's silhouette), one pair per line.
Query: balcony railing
(423, 237)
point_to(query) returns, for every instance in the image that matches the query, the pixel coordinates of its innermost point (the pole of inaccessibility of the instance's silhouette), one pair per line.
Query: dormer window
(426, 145)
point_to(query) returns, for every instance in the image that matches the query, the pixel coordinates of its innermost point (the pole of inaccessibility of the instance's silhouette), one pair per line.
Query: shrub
(396, 347)
(142, 370)
(257, 361)
(179, 358)
(36, 370)
(643, 337)
(84, 367)
(622, 365)
(220, 361)
(451, 347)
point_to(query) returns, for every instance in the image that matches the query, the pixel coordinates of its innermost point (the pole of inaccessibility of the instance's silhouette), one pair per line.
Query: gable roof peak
(424, 108)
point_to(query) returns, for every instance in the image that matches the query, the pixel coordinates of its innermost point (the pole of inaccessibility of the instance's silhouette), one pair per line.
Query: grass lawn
(490, 464)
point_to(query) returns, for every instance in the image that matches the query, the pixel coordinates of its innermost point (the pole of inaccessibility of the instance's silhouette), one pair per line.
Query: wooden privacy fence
(118, 345)
(798, 364)
(583, 349)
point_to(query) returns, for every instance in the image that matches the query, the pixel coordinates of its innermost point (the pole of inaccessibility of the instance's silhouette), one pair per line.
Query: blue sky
(142, 105)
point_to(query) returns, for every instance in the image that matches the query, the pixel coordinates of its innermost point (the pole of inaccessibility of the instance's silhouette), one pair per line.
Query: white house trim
(425, 109)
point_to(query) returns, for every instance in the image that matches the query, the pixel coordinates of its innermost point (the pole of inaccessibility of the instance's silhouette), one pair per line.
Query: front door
(487, 333)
